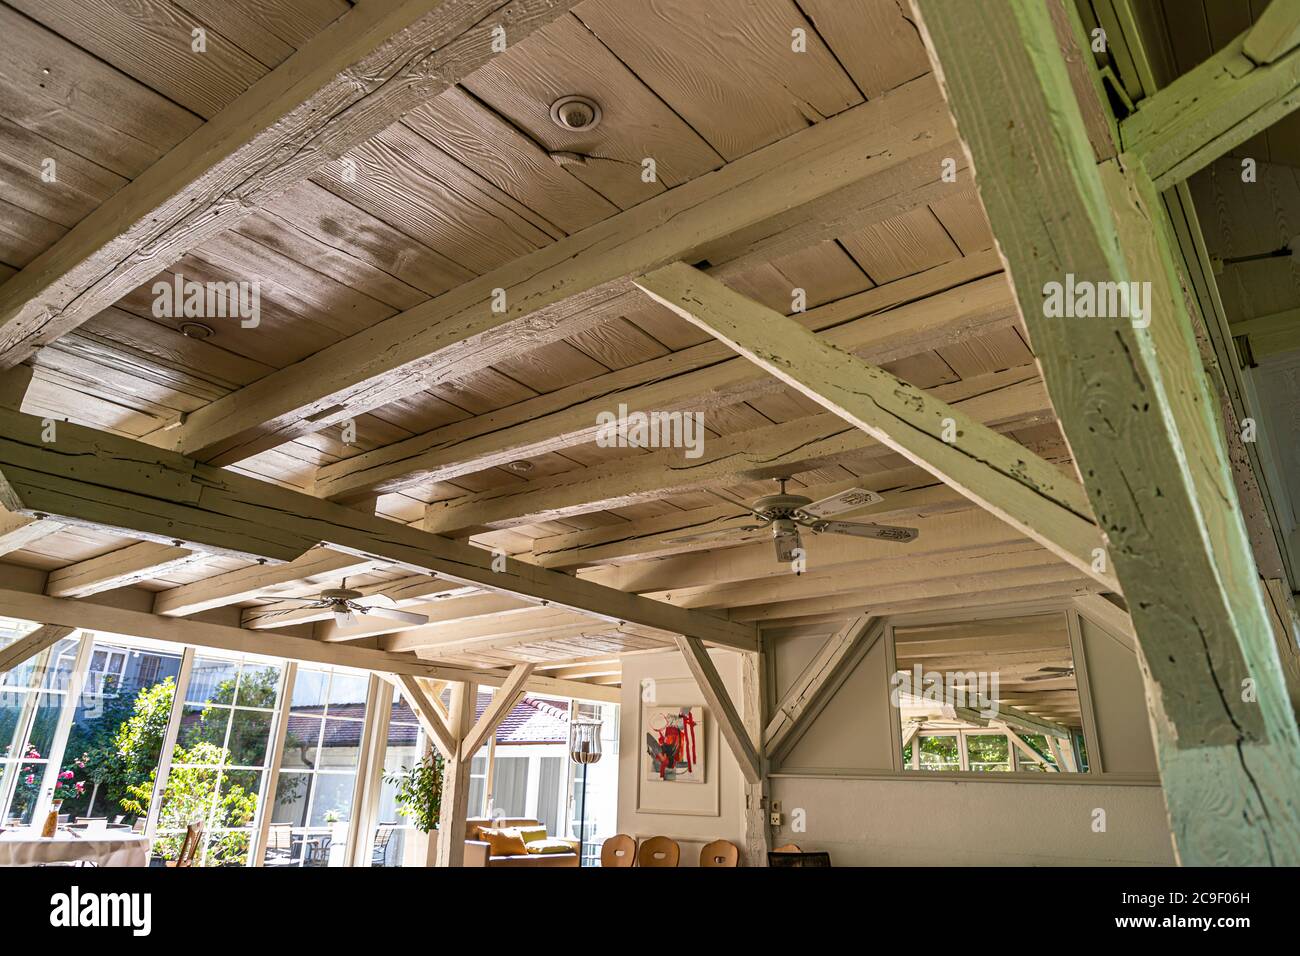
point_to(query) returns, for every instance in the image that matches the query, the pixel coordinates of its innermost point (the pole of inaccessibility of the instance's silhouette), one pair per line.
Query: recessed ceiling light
(577, 114)
(520, 466)
(196, 330)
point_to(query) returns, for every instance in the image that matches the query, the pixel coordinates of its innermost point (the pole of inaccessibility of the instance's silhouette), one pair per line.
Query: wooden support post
(455, 779)
(996, 472)
(31, 644)
(715, 695)
(758, 833)
(1133, 400)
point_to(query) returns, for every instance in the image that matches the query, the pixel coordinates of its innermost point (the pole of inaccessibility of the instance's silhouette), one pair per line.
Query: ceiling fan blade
(344, 618)
(371, 600)
(393, 614)
(883, 532)
(838, 504)
(280, 597)
(787, 542)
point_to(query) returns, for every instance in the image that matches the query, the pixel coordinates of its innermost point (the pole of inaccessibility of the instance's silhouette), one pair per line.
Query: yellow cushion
(532, 834)
(503, 841)
(550, 845)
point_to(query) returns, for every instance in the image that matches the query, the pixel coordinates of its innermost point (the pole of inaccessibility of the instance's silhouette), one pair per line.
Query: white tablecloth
(108, 848)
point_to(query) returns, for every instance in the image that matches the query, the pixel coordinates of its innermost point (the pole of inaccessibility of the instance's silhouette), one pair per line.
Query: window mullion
(169, 741)
(257, 855)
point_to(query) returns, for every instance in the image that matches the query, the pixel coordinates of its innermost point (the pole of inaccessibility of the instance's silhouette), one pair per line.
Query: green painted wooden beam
(1135, 405)
(1275, 33)
(1209, 110)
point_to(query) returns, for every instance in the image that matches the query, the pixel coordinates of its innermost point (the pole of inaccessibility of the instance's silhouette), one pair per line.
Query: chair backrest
(658, 851)
(618, 851)
(383, 834)
(138, 826)
(720, 853)
(190, 846)
(788, 848)
(280, 836)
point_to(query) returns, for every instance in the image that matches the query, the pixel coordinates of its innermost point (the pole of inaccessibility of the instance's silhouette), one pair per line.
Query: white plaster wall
(675, 685)
(923, 822)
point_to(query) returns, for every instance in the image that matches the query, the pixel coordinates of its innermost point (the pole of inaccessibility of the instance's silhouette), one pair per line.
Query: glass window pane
(213, 680)
(341, 743)
(291, 799)
(201, 727)
(301, 741)
(939, 753)
(333, 799)
(309, 688)
(259, 686)
(41, 735)
(347, 689)
(250, 731)
(988, 752)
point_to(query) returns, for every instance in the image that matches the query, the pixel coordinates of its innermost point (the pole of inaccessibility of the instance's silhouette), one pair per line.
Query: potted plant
(419, 794)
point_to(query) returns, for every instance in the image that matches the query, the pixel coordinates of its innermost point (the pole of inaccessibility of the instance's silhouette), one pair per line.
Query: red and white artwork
(673, 743)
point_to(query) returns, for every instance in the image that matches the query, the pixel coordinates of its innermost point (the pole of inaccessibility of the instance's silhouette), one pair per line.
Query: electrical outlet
(774, 818)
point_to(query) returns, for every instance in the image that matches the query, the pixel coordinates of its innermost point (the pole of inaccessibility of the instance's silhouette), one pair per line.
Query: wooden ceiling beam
(20, 531)
(1011, 398)
(716, 696)
(232, 587)
(31, 644)
(350, 81)
(1275, 33)
(995, 472)
(938, 307)
(130, 565)
(812, 185)
(503, 701)
(119, 483)
(1134, 402)
(1217, 105)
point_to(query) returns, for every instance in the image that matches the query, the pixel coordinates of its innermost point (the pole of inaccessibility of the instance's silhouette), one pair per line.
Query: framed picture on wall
(672, 743)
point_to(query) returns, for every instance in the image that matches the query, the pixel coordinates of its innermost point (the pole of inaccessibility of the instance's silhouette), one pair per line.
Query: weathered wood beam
(123, 484)
(1133, 400)
(753, 693)
(19, 531)
(716, 696)
(472, 607)
(75, 613)
(232, 587)
(503, 701)
(812, 185)
(31, 644)
(347, 83)
(129, 565)
(786, 723)
(1275, 33)
(1020, 744)
(1209, 110)
(995, 472)
(1012, 398)
(429, 715)
(940, 306)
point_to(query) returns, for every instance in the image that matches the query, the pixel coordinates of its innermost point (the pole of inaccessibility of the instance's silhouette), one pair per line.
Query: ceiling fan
(346, 604)
(1050, 673)
(786, 514)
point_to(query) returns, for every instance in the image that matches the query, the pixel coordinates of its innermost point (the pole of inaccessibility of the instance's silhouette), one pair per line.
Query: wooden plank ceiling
(471, 181)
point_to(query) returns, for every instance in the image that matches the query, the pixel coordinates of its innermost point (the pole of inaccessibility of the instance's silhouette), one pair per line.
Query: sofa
(478, 849)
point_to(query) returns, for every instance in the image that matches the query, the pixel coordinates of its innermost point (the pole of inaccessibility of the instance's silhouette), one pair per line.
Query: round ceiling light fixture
(577, 114)
(522, 467)
(196, 330)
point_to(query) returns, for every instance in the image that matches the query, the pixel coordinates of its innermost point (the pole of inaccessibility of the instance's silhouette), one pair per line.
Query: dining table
(26, 847)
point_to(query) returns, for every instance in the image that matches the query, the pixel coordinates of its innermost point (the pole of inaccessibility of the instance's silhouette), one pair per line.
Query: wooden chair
(788, 848)
(618, 851)
(720, 853)
(279, 845)
(658, 851)
(189, 847)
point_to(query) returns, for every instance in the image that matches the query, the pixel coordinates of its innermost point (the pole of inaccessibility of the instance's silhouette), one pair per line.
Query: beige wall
(839, 775)
(673, 684)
